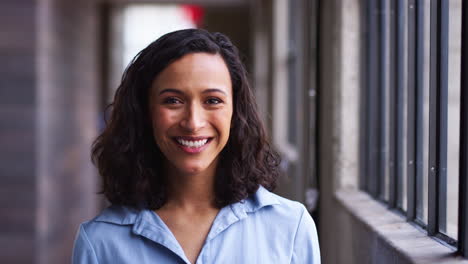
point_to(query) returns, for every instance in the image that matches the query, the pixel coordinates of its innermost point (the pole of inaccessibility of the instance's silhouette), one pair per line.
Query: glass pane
(422, 187)
(453, 133)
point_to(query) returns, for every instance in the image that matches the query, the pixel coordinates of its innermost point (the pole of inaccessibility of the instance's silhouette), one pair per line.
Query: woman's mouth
(193, 145)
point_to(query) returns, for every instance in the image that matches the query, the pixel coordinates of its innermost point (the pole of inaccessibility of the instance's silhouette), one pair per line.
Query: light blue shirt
(264, 228)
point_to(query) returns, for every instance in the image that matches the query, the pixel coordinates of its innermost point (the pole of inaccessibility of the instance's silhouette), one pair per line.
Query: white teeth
(192, 144)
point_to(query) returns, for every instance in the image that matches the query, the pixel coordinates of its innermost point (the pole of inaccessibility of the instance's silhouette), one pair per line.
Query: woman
(187, 167)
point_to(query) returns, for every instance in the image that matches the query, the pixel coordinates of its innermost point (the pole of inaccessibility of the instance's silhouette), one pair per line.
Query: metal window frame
(415, 90)
(382, 101)
(401, 20)
(438, 89)
(393, 72)
(363, 95)
(371, 117)
(463, 181)
(411, 115)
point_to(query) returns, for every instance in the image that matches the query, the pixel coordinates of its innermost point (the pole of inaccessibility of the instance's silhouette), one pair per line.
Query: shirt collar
(260, 199)
(122, 215)
(238, 211)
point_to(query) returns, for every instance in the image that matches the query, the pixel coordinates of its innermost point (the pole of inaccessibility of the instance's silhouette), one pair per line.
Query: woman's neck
(191, 191)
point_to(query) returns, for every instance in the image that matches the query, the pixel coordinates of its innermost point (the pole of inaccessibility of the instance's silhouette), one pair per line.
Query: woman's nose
(193, 119)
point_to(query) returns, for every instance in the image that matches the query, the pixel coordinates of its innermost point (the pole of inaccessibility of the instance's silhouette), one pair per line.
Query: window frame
(463, 186)
(382, 30)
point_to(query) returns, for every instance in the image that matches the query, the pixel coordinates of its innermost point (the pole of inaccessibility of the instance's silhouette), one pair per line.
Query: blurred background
(62, 60)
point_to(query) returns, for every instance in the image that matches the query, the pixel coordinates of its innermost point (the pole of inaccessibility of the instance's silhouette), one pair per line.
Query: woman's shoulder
(291, 221)
(112, 218)
(274, 203)
(267, 207)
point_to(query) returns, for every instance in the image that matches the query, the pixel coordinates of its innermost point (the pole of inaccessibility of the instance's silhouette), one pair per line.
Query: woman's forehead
(195, 71)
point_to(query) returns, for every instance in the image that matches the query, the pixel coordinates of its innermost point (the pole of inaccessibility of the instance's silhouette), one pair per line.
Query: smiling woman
(187, 166)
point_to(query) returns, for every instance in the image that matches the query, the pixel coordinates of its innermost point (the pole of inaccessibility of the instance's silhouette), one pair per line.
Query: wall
(67, 119)
(17, 130)
(48, 118)
(333, 241)
(235, 22)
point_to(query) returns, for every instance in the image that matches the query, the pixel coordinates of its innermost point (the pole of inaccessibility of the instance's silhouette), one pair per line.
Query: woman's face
(191, 109)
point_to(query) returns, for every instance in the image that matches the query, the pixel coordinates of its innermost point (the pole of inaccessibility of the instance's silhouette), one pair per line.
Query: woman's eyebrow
(214, 90)
(211, 90)
(170, 90)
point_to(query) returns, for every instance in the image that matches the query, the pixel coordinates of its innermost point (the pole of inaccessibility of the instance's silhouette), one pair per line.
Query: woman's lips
(192, 145)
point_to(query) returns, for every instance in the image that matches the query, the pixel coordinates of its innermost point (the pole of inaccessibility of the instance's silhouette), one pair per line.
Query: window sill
(401, 237)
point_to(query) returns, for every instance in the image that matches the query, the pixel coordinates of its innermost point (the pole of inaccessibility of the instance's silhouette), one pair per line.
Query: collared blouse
(264, 228)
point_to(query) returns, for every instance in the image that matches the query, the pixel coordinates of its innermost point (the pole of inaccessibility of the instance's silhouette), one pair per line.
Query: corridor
(365, 100)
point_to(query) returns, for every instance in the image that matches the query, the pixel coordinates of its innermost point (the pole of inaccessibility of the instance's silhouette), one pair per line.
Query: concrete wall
(235, 22)
(67, 119)
(17, 130)
(333, 241)
(48, 118)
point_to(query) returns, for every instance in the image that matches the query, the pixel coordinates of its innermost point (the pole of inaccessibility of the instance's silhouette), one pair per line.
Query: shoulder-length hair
(127, 156)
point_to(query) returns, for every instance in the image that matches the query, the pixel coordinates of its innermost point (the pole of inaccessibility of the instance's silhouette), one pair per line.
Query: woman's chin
(193, 169)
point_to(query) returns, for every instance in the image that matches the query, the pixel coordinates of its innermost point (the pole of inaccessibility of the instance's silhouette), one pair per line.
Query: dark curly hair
(127, 156)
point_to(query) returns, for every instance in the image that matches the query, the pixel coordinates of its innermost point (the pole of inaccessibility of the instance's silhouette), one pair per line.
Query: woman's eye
(213, 101)
(172, 100)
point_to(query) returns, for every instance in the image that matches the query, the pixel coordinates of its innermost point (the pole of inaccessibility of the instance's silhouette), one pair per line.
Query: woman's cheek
(163, 117)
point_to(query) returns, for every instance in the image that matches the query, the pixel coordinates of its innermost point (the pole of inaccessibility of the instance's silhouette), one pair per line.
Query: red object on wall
(195, 13)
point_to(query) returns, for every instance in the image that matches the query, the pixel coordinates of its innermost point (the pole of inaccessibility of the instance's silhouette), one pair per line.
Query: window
(415, 136)
(294, 98)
